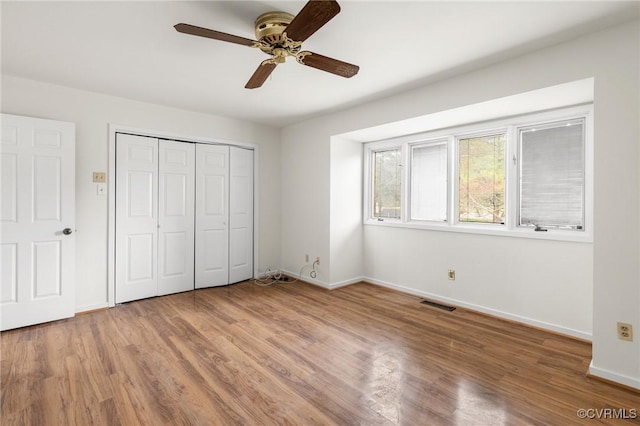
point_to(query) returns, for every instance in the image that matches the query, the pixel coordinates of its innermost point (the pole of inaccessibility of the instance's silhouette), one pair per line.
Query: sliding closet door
(212, 215)
(176, 198)
(240, 215)
(136, 217)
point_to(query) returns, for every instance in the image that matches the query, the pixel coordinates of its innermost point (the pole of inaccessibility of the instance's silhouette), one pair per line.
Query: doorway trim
(111, 185)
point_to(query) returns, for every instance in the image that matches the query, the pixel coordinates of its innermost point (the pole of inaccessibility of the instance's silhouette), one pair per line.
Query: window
(387, 178)
(481, 179)
(516, 177)
(429, 181)
(552, 175)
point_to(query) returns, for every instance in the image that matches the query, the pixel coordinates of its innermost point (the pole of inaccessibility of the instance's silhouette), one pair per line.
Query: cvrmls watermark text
(607, 413)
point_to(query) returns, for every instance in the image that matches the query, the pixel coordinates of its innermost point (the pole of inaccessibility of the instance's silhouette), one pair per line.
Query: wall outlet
(317, 261)
(99, 177)
(452, 274)
(625, 331)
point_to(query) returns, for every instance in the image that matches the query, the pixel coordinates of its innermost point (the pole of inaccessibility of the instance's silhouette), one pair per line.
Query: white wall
(500, 278)
(617, 189)
(92, 114)
(547, 284)
(346, 243)
(305, 203)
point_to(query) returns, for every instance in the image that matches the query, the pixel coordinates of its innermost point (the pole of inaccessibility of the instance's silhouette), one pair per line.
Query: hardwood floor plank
(295, 354)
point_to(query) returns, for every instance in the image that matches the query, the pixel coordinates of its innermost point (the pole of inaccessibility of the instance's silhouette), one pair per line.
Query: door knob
(67, 231)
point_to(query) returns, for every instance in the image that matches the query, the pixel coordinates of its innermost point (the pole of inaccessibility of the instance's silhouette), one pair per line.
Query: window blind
(552, 175)
(429, 182)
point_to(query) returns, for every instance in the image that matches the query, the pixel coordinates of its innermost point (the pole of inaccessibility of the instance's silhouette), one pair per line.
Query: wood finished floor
(295, 354)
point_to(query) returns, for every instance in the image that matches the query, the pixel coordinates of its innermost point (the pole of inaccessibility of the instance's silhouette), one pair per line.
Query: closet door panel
(136, 217)
(176, 225)
(212, 216)
(241, 215)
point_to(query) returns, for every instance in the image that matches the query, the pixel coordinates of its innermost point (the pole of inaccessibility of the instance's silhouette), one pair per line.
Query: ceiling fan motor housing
(269, 28)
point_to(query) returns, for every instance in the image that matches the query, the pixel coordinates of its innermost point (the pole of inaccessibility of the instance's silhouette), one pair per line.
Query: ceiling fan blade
(311, 18)
(260, 75)
(327, 64)
(217, 35)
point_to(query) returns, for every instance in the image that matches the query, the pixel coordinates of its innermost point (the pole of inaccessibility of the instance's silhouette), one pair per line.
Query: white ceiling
(130, 49)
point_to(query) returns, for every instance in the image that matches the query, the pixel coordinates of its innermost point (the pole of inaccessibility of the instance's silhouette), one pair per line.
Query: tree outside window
(481, 179)
(387, 178)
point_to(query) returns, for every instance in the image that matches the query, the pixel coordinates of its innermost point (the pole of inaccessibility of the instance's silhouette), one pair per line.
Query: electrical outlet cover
(99, 177)
(625, 331)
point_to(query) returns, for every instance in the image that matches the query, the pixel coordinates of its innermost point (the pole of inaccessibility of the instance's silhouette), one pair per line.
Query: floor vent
(439, 305)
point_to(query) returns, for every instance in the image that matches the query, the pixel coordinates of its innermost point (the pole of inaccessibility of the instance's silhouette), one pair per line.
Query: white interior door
(240, 215)
(136, 217)
(212, 213)
(37, 217)
(176, 217)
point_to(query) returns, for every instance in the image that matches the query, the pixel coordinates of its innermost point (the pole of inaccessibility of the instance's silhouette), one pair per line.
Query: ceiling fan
(280, 35)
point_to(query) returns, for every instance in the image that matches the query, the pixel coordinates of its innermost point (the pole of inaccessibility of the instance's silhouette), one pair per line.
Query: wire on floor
(271, 277)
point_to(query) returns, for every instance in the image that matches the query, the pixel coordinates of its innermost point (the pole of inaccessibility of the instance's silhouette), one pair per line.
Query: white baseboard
(614, 377)
(447, 300)
(322, 284)
(307, 279)
(347, 282)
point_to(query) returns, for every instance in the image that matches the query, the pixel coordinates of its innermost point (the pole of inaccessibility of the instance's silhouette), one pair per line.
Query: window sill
(494, 230)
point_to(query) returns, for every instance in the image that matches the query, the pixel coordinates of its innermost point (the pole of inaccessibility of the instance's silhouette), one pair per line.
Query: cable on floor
(271, 277)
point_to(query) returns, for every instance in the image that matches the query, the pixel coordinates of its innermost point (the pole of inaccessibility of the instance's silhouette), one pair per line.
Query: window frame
(511, 127)
(368, 171)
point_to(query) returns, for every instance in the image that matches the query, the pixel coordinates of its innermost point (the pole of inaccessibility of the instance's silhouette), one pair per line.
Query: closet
(184, 216)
